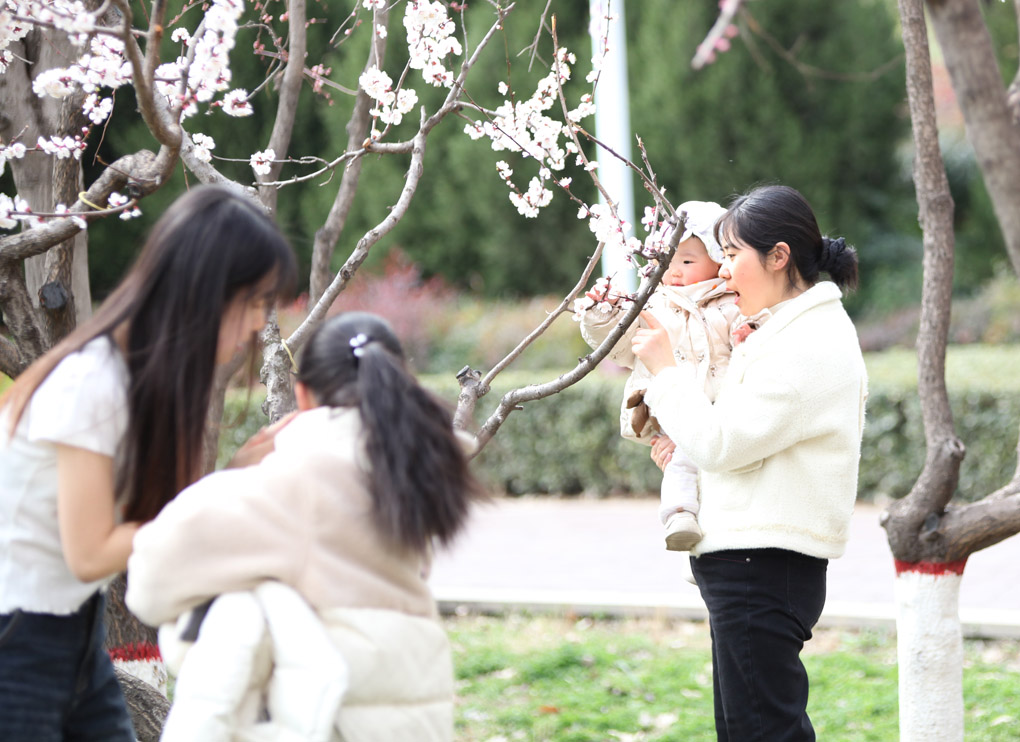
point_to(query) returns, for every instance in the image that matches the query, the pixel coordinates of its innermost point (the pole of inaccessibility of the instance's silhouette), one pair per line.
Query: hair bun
(832, 251)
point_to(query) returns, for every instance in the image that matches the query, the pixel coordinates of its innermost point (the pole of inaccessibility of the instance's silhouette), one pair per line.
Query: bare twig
(290, 91)
(550, 318)
(357, 257)
(167, 132)
(512, 400)
(357, 131)
(810, 70)
(706, 49)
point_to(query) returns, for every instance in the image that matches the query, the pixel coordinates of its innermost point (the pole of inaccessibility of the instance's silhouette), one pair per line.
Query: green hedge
(570, 444)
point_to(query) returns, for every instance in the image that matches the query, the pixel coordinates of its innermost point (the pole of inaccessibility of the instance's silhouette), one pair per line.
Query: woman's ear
(780, 256)
(305, 397)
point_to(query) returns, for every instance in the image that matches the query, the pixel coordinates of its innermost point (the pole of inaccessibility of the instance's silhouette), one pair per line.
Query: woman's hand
(259, 445)
(662, 450)
(651, 344)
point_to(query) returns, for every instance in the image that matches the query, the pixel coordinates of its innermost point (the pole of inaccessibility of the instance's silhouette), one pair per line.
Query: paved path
(608, 556)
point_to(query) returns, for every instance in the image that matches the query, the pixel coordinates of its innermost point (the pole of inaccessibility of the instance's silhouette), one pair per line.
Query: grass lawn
(568, 680)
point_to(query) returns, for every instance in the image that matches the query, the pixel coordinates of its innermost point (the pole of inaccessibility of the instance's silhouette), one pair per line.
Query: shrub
(570, 443)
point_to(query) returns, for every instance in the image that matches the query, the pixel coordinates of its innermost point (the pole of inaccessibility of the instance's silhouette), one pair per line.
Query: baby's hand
(651, 345)
(602, 291)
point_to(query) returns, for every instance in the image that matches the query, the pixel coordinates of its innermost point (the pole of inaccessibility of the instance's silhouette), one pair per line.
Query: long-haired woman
(99, 434)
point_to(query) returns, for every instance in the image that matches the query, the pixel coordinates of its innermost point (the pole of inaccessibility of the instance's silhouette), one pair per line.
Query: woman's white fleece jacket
(779, 449)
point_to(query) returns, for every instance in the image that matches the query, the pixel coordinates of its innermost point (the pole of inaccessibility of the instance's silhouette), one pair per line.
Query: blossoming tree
(63, 61)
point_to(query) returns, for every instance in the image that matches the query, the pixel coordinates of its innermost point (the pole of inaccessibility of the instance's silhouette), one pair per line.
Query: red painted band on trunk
(136, 651)
(931, 568)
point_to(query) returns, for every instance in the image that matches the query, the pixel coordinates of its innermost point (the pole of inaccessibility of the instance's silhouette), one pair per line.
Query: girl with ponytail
(344, 510)
(778, 453)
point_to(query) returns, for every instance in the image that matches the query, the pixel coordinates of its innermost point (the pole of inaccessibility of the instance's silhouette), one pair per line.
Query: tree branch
(11, 362)
(1013, 93)
(979, 525)
(167, 132)
(357, 257)
(357, 132)
(290, 92)
(910, 517)
(513, 399)
(706, 49)
(974, 71)
(141, 173)
(20, 317)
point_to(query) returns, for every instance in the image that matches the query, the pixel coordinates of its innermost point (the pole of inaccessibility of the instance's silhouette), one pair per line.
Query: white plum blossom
(430, 39)
(650, 218)
(115, 200)
(98, 110)
(380, 31)
(8, 208)
(78, 221)
(204, 144)
(391, 106)
(262, 162)
(502, 88)
(62, 147)
(374, 4)
(235, 103)
(536, 197)
(56, 83)
(504, 170)
(610, 229)
(585, 109)
(181, 36)
(376, 84)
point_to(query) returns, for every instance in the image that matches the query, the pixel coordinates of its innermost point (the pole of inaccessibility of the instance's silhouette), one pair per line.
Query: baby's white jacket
(697, 319)
(779, 449)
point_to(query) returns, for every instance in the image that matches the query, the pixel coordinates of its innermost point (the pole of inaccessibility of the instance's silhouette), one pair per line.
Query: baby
(694, 307)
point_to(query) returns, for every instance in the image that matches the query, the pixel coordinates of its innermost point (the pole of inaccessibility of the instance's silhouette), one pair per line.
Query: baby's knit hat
(701, 219)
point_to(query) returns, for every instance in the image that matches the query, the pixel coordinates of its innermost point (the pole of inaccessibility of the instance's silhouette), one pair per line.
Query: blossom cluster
(602, 297)
(206, 64)
(390, 105)
(524, 127)
(430, 40)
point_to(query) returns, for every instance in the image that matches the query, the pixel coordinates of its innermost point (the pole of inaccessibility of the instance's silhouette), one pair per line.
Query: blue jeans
(762, 605)
(56, 680)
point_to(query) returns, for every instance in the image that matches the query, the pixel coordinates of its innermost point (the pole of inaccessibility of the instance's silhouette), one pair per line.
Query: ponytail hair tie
(357, 344)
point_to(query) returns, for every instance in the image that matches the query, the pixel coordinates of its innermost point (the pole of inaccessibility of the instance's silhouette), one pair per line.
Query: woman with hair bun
(778, 453)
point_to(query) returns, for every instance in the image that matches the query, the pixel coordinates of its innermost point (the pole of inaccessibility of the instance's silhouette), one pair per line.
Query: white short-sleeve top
(82, 403)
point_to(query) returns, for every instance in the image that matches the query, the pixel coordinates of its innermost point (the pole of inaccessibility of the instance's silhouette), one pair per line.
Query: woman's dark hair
(771, 214)
(420, 481)
(210, 246)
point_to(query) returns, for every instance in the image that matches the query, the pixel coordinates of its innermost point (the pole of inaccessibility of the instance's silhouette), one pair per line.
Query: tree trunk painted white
(930, 651)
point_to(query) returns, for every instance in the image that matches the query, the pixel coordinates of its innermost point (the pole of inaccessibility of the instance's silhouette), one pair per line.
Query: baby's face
(690, 264)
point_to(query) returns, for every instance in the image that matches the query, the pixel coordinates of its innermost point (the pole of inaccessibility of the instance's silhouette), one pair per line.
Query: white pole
(612, 126)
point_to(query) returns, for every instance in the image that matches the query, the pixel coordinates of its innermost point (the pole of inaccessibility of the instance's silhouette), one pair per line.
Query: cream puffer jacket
(778, 451)
(267, 667)
(698, 319)
(303, 518)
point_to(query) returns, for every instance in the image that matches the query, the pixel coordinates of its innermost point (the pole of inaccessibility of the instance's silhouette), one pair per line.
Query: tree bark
(357, 131)
(909, 522)
(991, 128)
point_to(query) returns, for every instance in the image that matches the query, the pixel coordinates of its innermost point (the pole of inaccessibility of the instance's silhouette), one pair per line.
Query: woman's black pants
(762, 605)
